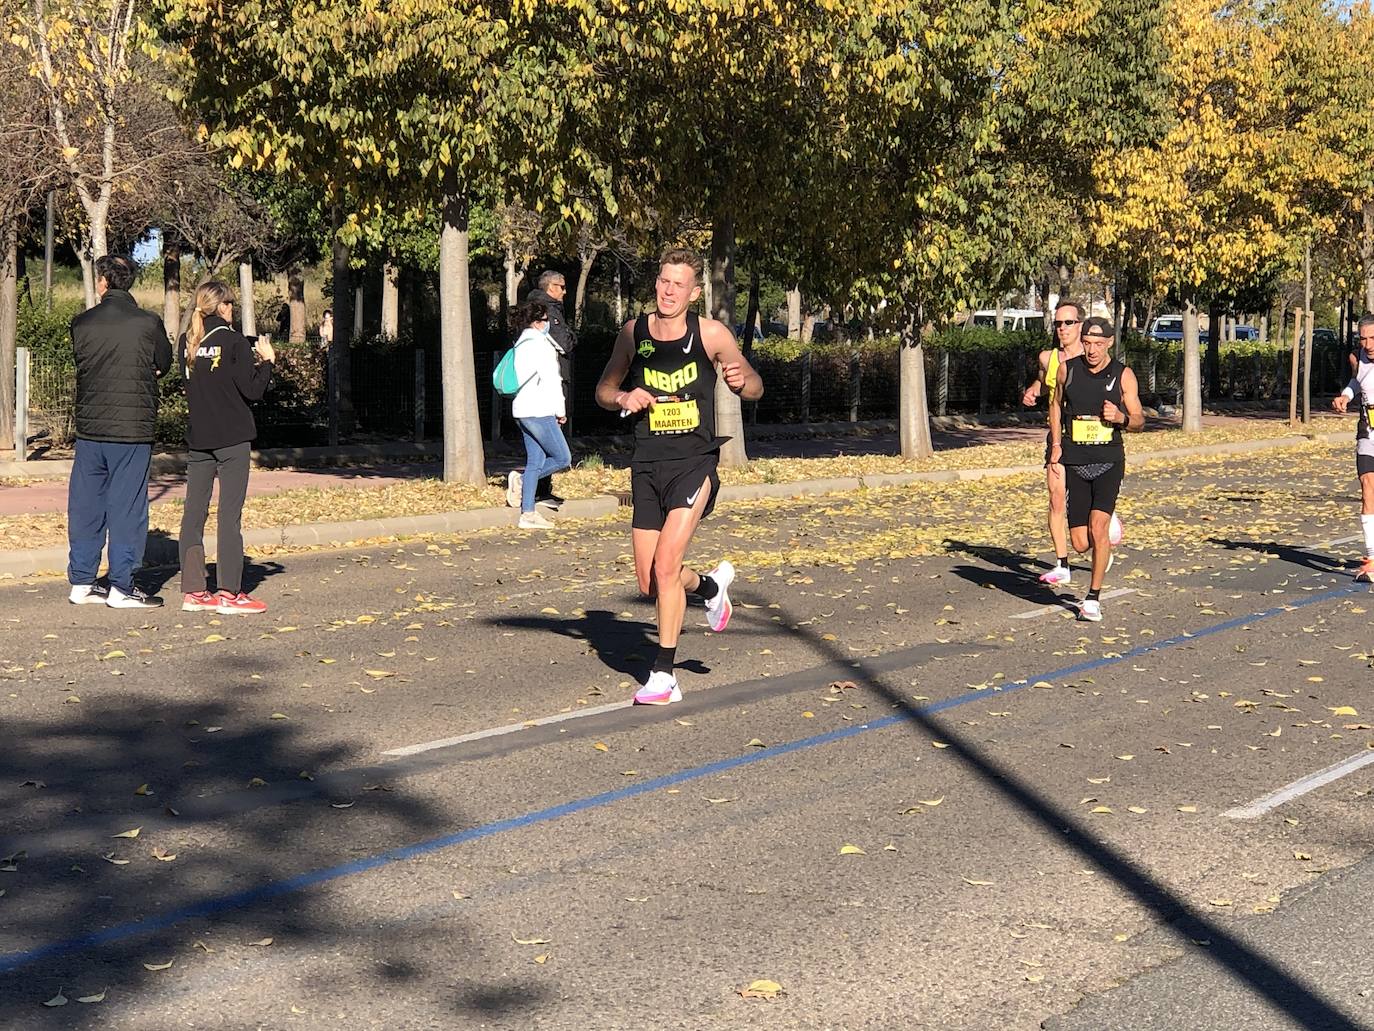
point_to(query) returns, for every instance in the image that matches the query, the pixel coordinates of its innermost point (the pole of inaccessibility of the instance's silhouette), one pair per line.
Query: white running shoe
(536, 520)
(660, 689)
(88, 594)
(135, 599)
(1115, 531)
(1090, 611)
(719, 609)
(1059, 576)
(513, 483)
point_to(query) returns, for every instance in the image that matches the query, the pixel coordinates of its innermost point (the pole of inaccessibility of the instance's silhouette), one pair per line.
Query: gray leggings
(231, 465)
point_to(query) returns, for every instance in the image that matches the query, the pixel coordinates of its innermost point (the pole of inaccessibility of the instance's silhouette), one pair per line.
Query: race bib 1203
(674, 417)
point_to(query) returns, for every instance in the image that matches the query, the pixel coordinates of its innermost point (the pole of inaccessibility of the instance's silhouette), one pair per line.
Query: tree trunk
(248, 315)
(9, 328)
(729, 418)
(339, 347)
(295, 303)
(512, 277)
(587, 259)
(358, 333)
(1047, 309)
(171, 286)
(1264, 329)
(751, 316)
(464, 459)
(999, 321)
(49, 241)
(391, 300)
(1066, 282)
(1216, 328)
(1192, 370)
(619, 295)
(83, 255)
(1367, 254)
(914, 416)
(1307, 335)
(794, 312)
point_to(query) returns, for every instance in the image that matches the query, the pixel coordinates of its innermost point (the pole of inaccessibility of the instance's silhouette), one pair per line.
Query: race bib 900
(1089, 429)
(674, 417)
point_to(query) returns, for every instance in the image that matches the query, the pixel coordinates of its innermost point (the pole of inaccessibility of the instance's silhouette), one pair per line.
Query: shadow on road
(99, 903)
(1286, 553)
(1283, 990)
(1013, 574)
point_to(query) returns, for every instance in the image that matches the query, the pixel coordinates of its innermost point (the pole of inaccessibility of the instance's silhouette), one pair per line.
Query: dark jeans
(107, 495)
(546, 453)
(231, 465)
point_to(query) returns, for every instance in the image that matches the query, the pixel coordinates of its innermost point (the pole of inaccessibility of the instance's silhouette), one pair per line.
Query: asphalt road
(905, 785)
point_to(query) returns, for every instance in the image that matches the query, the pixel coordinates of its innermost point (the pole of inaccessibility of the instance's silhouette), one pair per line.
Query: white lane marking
(509, 728)
(512, 728)
(1301, 786)
(1341, 540)
(1045, 610)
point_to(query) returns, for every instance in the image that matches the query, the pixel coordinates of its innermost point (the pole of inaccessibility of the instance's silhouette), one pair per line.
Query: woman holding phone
(223, 373)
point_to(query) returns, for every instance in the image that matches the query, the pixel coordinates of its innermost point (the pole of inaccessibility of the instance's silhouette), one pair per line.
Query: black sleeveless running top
(683, 377)
(1086, 439)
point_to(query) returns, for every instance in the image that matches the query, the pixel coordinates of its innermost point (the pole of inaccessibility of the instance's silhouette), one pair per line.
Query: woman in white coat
(539, 409)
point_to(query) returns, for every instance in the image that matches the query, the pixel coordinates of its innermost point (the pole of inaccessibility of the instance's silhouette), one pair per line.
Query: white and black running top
(1361, 389)
(683, 377)
(1086, 439)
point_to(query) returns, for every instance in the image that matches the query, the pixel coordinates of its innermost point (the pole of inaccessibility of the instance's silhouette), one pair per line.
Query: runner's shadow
(1285, 553)
(625, 645)
(1015, 574)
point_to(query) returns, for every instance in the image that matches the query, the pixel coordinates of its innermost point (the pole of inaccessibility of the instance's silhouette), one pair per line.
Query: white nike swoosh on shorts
(692, 498)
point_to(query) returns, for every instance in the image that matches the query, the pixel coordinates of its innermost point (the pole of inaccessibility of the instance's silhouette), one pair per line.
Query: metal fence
(396, 392)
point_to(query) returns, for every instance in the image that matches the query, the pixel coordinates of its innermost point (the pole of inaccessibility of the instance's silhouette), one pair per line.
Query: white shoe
(1115, 531)
(660, 689)
(135, 599)
(1090, 611)
(1059, 576)
(513, 483)
(719, 609)
(88, 594)
(535, 520)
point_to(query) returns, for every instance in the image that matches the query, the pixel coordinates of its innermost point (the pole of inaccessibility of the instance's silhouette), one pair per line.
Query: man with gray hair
(551, 291)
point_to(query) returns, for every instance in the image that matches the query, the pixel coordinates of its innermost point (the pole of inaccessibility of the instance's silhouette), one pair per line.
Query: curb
(161, 551)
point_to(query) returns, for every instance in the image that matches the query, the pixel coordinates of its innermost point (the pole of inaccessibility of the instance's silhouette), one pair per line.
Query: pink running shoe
(199, 601)
(660, 689)
(719, 609)
(237, 604)
(1059, 576)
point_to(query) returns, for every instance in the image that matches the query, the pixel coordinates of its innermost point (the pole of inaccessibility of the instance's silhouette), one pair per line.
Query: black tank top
(1086, 439)
(682, 375)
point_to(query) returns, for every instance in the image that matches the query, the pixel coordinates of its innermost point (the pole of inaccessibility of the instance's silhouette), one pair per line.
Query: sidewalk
(48, 497)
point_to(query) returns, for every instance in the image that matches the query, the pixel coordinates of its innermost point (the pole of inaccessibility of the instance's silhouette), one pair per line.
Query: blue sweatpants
(108, 493)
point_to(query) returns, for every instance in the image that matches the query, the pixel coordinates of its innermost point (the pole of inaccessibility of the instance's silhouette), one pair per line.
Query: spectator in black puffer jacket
(121, 351)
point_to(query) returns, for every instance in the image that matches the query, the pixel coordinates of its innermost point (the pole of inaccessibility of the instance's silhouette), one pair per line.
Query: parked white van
(1012, 318)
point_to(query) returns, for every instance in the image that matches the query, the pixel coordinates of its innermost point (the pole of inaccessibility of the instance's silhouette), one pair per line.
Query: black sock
(1093, 594)
(1063, 560)
(706, 589)
(666, 657)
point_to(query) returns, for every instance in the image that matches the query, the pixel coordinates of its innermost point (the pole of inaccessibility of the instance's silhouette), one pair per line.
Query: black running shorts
(656, 488)
(1363, 463)
(1096, 495)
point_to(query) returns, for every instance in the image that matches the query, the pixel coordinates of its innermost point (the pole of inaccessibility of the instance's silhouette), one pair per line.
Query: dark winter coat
(121, 351)
(224, 377)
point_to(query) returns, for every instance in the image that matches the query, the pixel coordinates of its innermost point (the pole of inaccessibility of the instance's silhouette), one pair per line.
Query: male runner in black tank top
(662, 374)
(1098, 398)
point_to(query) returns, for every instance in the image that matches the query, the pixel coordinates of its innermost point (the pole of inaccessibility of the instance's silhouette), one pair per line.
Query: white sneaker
(1115, 531)
(660, 689)
(135, 599)
(1090, 611)
(1059, 576)
(535, 520)
(513, 484)
(719, 609)
(88, 594)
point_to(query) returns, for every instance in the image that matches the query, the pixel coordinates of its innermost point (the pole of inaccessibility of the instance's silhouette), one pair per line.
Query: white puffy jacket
(536, 365)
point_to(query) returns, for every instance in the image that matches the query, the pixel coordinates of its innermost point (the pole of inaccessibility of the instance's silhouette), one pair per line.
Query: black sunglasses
(1066, 322)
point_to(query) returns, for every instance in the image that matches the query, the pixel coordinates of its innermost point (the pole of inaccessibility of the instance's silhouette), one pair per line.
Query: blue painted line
(275, 889)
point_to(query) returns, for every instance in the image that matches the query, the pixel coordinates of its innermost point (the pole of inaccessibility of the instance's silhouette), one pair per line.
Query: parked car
(1247, 333)
(1168, 328)
(1012, 318)
(1323, 337)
